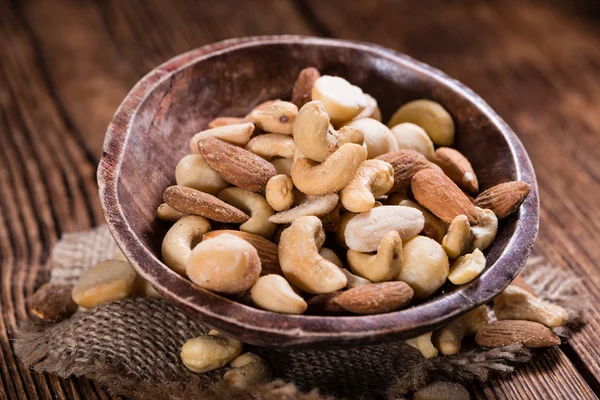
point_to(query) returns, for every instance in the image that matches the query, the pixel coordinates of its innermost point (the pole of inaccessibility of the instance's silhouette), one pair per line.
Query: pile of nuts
(260, 196)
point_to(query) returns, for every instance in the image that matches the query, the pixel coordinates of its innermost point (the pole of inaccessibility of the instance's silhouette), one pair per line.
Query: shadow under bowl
(150, 133)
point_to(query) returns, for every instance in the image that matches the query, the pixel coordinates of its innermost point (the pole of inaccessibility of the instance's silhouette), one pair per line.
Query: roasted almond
(325, 304)
(223, 121)
(52, 302)
(503, 199)
(503, 333)
(267, 250)
(301, 94)
(375, 298)
(436, 192)
(237, 166)
(191, 201)
(406, 164)
(457, 167)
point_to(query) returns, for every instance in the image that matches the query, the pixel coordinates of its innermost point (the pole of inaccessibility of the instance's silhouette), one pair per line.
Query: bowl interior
(180, 100)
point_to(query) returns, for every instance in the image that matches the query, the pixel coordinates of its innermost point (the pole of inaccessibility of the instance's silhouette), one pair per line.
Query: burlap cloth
(131, 347)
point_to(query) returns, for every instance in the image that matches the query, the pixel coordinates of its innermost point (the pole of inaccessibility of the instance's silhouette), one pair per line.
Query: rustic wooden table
(65, 66)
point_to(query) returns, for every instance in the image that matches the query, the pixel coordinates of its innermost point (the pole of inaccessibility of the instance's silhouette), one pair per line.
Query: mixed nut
(315, 206)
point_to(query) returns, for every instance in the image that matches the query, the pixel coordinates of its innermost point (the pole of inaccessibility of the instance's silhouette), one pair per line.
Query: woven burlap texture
(131, 347)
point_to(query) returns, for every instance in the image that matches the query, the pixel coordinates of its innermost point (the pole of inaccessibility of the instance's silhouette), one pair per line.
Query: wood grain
(65, 65)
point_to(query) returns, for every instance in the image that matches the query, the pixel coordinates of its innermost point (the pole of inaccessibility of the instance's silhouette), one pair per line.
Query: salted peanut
(458, 239)
(371, 109)
(340, 234)
(330, 256)
(430, 116)
(192, 171)
(433, 228)
(180, 239)
(467, 268)
(301, 262)
(107, 281)
(267, 250)
(375, 298)
(365, 231)
(270, 145)
(224, 264)
(424, 345)
(436, 192)
(330, 176)
(278, 117)
(412, 137)
(458, 168)
(314, 136)
(274, 293)
(354, 280)
(378, 137)
(247, 370)
(209, 352)
(280, 192)
(424, 266)
(52, 302)
(302, 91)
(224, 121)
(167, 213)
(448, 339)
(237, 134)
(442, 390)
(194, 202)
(373, 178)
(315, 206)
(505, 332)
(254, 205)
(382, 266)
(342, 100)
(283, 166)
(517, 303)
(503, 199)
(485, 231)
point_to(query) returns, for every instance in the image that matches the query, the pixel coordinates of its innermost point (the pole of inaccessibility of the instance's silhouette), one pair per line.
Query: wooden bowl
(150, 133)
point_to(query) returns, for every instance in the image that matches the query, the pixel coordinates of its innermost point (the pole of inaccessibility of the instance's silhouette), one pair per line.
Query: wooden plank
(537, 64)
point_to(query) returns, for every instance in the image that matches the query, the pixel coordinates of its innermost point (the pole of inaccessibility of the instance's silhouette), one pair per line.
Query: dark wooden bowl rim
(275, 330)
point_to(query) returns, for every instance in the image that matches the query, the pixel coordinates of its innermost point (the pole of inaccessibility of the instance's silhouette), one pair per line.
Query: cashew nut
(315, 137)
(485, 231)
(434, 228)
(225, 264)
(342, 100)
(340, 234)
(302, 92)
(256, 206)
(301, 262)
(330, 176)
(424, 266)
(373, 178)
(247, 370)
(274, 293)
(223, 121)
(413, 137)
(467, 268)
(354, 280)
(448, 339)
(180, 239)
(208, 352)
(330, 256)
(167, 213)
(107, 281)
(192, 171)
(283, 166)
(517, 303)
(378, 137)
(317, 206)
(279, 193)
(382, 266)
(271, 145)
(278, 117)
(458, 238)
(237, 134)
(430, 116)
(365, 231)
(424, 345)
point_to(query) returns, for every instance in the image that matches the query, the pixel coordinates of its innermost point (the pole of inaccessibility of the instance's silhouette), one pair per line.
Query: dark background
(65, 65)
